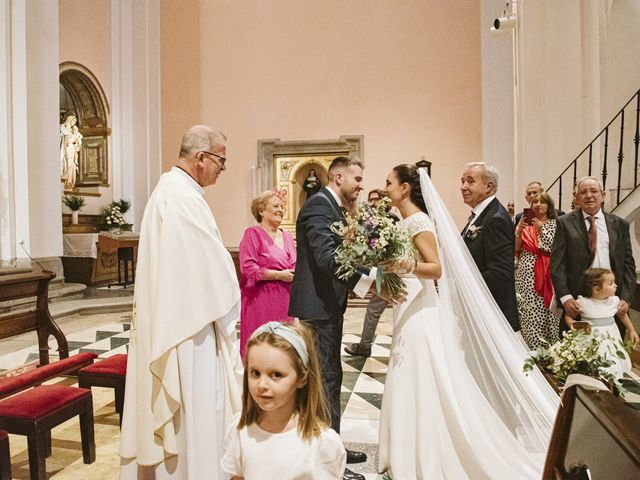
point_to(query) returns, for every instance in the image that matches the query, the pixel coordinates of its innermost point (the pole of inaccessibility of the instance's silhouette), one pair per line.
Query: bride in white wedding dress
(456, 404)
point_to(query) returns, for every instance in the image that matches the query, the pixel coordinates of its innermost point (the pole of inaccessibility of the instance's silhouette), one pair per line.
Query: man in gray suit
(588, 237)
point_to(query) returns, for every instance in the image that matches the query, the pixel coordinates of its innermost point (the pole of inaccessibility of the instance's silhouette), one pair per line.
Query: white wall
(29, 160)
(577, 63)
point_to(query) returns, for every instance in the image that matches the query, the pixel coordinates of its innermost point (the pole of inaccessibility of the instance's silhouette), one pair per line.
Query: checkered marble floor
(362, 386)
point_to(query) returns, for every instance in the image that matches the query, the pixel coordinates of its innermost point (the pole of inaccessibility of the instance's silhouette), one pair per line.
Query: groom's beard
(351, 207)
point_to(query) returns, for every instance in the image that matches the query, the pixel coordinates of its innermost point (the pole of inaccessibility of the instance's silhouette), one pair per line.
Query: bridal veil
(526, 404)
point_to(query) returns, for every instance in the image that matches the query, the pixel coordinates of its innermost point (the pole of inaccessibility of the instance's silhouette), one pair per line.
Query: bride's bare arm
(429, 264)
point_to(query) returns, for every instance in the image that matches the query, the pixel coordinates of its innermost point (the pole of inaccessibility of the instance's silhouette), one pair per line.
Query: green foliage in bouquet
(578, 352)
(73, 202)
(112, 216)
(369, 238)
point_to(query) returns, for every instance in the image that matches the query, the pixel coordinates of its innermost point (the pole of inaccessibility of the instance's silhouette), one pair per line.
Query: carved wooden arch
(91, 108)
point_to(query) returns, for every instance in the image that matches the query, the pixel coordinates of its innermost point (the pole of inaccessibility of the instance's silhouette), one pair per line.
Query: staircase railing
(609, 141)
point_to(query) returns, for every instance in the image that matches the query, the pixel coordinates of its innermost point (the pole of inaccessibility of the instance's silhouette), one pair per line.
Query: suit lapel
(580, 227)
(485, 212)
(613, 236)
(329, 196)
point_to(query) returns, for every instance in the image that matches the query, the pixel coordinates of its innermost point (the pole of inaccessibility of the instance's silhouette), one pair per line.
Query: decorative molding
(91, 109)
(270, 149)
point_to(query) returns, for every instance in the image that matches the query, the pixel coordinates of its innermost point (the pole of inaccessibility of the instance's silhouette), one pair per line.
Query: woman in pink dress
(267, 261)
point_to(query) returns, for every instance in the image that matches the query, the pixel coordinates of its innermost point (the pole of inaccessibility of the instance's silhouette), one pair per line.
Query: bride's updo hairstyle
(408, 173)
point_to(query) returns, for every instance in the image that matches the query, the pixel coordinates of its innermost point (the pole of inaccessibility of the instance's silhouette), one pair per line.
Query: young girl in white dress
(599, 309)
(283, 430)
(436, 421)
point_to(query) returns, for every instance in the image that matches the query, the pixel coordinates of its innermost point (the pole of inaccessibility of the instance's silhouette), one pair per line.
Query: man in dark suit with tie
(489, 236)
(588, 237)
(318, 298)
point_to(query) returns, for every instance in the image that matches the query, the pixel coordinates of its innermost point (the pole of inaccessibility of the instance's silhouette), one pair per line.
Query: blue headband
(290, 335)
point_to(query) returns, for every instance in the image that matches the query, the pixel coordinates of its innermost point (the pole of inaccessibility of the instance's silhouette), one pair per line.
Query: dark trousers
(328, 335)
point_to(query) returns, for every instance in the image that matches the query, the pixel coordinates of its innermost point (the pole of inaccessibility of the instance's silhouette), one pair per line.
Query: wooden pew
(38, 318)
(595, 435)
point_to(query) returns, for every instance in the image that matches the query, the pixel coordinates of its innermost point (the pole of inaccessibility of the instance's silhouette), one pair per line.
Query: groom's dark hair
(343, 162)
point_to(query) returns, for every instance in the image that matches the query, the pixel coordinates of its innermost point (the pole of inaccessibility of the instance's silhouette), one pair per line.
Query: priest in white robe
(183, 374)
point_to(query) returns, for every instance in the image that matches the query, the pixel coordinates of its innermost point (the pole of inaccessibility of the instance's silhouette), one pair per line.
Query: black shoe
(350, 475)
(356, 457)
(358, 350)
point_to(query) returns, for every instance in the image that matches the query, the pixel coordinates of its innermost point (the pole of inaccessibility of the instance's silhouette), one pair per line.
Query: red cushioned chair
(111, 373)
(36, 411)
(5, 456)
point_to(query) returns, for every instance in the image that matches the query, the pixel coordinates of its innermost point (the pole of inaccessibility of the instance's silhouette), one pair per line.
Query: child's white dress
(255, 454)
(600, 314)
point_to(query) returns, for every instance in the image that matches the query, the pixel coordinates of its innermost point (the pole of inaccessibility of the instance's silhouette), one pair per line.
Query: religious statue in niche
(70, 143)
(312, 183)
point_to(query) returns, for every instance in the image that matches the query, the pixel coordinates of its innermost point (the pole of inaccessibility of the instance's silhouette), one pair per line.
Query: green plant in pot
(112, 216)
(74, 203)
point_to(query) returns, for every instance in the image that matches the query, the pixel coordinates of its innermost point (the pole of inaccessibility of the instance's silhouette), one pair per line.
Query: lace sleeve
(418, 223)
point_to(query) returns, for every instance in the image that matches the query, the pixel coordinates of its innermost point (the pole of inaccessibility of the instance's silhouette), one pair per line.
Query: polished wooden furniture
(38, 319)
(111, 373)
(5, 456)
(105, 265)
(35, 412)
(595, 436)
(125, 247)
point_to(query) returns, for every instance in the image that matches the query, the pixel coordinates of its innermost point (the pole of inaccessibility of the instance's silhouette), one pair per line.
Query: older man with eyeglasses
(589, 237)
(179, 391)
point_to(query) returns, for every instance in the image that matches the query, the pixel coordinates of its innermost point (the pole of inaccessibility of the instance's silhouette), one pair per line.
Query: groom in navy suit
(490, 238)
(318, 297)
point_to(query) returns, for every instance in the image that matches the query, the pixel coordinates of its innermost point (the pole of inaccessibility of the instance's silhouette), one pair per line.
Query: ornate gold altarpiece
(286, 164)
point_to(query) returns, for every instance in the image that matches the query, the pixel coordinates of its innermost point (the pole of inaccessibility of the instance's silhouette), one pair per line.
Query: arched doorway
(81, 95)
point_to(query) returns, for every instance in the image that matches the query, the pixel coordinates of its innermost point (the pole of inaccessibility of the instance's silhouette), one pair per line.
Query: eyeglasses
(220, 158)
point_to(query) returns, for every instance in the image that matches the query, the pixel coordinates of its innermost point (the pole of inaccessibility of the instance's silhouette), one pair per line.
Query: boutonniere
(473, 231)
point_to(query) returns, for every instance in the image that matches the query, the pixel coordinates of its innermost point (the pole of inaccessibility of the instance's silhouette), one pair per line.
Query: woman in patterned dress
(533, 277)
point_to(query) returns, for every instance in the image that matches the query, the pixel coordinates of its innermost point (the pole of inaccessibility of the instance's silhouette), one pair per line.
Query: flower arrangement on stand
(578, 352)
(73, 203)
(112, 216)
(369, 238)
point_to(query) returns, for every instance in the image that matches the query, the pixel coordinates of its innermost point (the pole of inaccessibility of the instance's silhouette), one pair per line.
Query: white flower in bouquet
(369, 238)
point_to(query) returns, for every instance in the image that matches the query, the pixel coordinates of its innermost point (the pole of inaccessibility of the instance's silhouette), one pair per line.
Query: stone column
(30, 192)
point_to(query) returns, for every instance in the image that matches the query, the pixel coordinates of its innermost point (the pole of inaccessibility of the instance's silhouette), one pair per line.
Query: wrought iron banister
(597, 151)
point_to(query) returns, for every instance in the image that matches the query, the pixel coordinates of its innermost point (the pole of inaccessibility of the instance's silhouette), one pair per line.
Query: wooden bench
(26, 406)
(5, 456)
(110, 373)
(595, 435)
(38, 318)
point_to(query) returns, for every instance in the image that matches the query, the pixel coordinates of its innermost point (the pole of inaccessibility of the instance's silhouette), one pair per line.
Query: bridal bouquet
(577, 352)
(369, 238)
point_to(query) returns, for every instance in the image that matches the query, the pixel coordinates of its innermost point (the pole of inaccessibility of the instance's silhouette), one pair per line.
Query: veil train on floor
(492, 352)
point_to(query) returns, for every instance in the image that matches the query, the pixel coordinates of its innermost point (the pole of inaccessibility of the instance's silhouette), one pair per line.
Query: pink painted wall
(180, 72)
(85, 37)
(406, 75)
